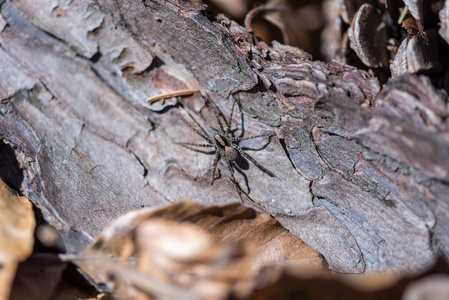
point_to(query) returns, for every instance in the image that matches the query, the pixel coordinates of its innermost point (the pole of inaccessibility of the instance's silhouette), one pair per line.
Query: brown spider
(226, 146)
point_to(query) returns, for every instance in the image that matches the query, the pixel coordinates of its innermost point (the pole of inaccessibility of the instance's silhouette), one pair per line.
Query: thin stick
(186, 92)
(403, 14)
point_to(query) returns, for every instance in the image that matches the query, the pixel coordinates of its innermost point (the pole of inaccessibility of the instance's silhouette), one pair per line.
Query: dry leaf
(186, 250)
(317, 284)
(234, 8)
(16, 235)
(37, 278)
(45, 276)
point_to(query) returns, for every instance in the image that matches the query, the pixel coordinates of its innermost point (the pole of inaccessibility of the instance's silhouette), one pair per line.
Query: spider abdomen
(231, 153)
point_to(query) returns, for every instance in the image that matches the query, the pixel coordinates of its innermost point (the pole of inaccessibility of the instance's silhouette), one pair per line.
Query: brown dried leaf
(16, 235)
(434, 287)
(444, 21)
(348, 8)
(191, 250)
(363, 34)
(45, 276)
(233, 8)
(188, 257)
(416, 54)
(416, 8)
(315, 284)
(324, 286)
(38, 278)
(412, 25)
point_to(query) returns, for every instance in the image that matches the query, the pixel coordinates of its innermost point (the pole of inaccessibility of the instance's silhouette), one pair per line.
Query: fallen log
(361, 170)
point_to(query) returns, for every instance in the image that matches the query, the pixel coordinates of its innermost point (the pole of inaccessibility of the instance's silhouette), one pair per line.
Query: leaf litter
(16, 235)
(190, 251)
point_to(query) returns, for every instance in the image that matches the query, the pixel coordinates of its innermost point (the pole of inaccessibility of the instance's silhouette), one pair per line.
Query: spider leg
(202, 134)
(239, 139)
(253, 137)
(207, 138)
(242, 124)
(196, 145)
(188, 146)
(245, 178)
(216, 116)
(233, 179)
(228, 130)
(255, 162)
(217, 157)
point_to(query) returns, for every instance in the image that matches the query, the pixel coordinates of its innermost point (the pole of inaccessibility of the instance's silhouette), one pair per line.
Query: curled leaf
(191, 250)
(16, 235)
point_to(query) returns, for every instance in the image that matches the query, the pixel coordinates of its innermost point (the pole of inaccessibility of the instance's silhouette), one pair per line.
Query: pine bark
(362, 170)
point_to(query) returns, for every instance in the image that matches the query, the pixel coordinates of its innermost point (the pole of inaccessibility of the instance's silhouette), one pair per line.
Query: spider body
(226, 146)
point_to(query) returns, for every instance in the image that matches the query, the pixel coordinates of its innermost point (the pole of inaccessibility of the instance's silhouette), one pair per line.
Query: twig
(186, 92)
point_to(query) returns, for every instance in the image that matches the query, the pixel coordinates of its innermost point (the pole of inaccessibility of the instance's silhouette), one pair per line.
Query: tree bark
(362, 171)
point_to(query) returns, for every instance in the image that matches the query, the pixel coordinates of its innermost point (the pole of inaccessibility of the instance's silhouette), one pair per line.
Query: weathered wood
(361, 173)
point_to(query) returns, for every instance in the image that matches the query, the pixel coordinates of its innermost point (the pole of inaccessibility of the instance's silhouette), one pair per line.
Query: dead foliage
(360, 146)
(16, 235)
(190, 251)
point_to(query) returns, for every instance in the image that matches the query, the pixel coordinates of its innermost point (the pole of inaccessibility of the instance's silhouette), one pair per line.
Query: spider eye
(231, 153)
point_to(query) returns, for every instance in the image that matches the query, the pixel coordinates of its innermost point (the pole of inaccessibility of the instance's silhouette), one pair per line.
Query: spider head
(225, 144)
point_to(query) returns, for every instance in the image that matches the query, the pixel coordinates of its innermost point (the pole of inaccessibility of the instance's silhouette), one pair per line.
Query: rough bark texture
(361, 172)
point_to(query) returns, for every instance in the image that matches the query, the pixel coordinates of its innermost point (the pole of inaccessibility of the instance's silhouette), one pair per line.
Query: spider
(226, 146)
